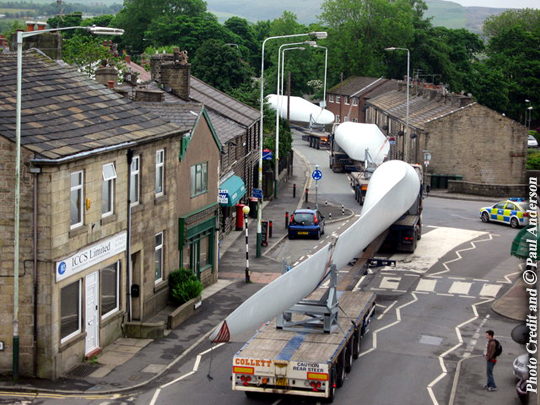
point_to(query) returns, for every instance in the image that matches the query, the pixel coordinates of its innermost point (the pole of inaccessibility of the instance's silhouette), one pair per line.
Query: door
(92, 312)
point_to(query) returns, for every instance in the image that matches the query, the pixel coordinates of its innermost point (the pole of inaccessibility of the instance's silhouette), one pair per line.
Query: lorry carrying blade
(300, 110)
(393, 189)
(356, 138)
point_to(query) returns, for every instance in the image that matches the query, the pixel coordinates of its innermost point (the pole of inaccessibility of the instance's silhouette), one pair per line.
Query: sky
(500, 3)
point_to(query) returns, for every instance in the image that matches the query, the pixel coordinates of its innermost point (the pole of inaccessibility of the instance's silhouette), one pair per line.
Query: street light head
(105, 30)
(311, 43)
(529, 108)
(527, 101)
(390, 49)
(245, 209)
(319, 34)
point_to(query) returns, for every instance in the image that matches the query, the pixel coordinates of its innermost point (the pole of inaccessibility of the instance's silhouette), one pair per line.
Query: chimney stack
(176, 74)
(106, 74)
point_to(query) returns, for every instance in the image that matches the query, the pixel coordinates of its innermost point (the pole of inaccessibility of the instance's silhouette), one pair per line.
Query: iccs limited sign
(90, 256)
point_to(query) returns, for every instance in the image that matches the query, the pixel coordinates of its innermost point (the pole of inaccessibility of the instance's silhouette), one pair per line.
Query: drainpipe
(128, 246)
(35, 171)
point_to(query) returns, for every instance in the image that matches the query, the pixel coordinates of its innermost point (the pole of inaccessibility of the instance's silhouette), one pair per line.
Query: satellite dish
(520, 334)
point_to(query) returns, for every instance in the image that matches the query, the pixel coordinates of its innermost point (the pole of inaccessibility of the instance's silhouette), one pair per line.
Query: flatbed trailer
(295, 362)
(317, 140)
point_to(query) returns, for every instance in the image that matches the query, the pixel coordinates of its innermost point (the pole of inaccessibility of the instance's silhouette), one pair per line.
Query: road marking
(426, 285)
(490, 290)
(459, 287)
(390, 283)
(386, 310)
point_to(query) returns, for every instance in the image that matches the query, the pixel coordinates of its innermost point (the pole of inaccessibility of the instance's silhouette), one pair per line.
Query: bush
(184, 286)
(533, 161)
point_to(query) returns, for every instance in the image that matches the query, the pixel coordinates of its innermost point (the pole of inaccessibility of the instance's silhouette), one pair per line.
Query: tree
(187, 32)
(137, 15)
(527, 18)
(220, 65)
(359, 30)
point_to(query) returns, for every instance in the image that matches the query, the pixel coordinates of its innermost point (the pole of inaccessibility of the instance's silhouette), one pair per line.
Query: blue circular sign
(317, 175)
(62, 268)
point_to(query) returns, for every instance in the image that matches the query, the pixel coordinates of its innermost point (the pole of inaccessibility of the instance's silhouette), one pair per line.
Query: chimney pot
(110, 83)
(127, 58)
(41, 26)
(30, 25)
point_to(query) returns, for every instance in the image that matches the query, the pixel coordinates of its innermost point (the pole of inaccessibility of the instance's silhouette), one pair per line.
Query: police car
(512, 212)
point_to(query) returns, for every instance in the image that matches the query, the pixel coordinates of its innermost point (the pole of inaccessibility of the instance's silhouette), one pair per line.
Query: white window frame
(79, 315)
(346, 119)
(158, 248)
(355, 101)
(330, 98)
(160, 172)
(199, 179)
(338, 99)
(117, 306)
(79, 189)
(135, 174)
(338, 118)
(347, 100)
(107, 188)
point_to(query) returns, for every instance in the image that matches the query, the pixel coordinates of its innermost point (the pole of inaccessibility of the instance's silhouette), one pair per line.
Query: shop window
(110, 289)
(77, 197)
(160, 172)
(107, 189)
(158, 266)
(204, 254)
(70, 311)
(199, 179)
(186, 255)
(135, 185)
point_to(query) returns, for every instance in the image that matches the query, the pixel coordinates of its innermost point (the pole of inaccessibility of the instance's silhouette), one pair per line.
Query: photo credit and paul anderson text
(530, 276)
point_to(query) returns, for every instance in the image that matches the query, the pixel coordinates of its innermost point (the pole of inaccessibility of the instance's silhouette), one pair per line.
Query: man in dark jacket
(491, 360)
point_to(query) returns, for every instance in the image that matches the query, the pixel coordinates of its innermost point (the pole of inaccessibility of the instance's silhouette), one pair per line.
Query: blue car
(306, 222)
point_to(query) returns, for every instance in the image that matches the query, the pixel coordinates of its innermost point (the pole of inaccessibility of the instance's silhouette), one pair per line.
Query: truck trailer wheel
(332, 387)
(349, 355)
(340, 369)
(357, 344)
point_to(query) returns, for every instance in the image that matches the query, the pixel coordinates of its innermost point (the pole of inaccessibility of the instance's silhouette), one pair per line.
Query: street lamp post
(318, 35)
(408, 91)
(20, 37)
(278, 112)
(529, 109)
(323, 103)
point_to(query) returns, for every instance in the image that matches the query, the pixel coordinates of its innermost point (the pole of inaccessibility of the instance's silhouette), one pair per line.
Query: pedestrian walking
(491, 360)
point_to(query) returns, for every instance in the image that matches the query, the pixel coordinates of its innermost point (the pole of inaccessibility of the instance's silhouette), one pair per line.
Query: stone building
(113, 198)
(236, 124)
(347, 100)
(476, 148)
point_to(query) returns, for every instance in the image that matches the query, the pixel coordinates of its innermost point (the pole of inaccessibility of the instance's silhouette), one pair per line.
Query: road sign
(223, 198)
(257, 193)
(317, 175)
(267, 154)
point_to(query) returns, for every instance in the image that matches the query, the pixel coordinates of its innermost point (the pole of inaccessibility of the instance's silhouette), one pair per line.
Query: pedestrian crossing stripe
(429, 285)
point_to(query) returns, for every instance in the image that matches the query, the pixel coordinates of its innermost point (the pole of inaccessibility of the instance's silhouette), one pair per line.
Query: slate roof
(371, 86)
(229, 116)
(66, 113)
(422, 109)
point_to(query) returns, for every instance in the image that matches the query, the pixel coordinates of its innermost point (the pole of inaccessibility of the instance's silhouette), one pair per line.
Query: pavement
(128, 364)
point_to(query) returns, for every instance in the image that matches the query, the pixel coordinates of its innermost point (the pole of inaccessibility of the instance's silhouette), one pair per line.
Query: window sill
(71, 342)
(161, 199)
(109, 318)
(108, 219)
(137, 208)
(160, 286)
(78, 231)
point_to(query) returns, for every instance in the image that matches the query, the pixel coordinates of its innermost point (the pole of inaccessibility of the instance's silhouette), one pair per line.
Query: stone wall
(488, 190)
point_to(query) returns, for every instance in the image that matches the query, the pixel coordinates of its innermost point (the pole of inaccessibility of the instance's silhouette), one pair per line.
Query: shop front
(231, 192)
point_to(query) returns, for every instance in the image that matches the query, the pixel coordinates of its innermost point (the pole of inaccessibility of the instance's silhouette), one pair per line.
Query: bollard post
(286, 219)
(326, 203)
(307, 194)
(342, 210)
(330, 216)
(270, 226)
(294, 191)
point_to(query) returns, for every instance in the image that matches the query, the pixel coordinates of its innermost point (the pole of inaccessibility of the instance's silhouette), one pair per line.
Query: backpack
(498, 348)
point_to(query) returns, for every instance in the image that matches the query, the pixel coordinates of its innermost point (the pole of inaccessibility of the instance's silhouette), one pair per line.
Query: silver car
(520, 365)
(532, 142)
